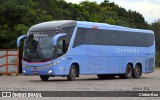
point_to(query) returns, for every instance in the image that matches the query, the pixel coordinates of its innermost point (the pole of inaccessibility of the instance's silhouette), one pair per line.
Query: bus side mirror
(61, 47)
(64, 46)
(19, 39)
(56, 37)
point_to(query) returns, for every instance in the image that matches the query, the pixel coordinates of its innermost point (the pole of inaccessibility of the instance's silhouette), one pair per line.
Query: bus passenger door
(61, 58)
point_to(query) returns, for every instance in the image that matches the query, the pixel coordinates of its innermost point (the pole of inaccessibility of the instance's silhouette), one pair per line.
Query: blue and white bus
(72, 48)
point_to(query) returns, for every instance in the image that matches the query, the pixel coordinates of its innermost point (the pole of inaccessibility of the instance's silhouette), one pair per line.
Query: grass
(158, 67)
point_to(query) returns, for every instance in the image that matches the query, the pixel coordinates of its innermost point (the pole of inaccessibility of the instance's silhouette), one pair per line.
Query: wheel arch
(130, 63)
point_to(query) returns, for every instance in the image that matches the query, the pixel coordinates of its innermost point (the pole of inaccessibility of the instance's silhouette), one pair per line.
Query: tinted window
(69, 32)
(112, 38)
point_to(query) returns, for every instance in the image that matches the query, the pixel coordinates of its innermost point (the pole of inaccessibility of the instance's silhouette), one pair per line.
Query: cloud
(148, 8)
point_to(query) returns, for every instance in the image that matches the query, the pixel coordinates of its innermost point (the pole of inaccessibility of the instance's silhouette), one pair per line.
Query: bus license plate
(35, 72)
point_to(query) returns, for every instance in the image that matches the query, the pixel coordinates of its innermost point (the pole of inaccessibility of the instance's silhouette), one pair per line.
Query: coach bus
(72, 48)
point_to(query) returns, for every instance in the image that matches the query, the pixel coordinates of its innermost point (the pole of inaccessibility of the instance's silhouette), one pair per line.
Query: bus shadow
(89, 79)
(65, 80)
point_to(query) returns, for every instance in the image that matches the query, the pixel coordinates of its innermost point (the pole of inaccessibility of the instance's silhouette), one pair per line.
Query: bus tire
(128, 72)
(44, 78)
(137, 72)
(72, 73)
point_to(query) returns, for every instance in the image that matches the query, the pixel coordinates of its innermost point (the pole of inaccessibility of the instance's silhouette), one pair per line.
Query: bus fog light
(24, 71)
(49, 71)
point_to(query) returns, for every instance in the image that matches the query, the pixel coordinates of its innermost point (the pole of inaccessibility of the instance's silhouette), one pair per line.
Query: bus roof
(111, 27)
(53, 25)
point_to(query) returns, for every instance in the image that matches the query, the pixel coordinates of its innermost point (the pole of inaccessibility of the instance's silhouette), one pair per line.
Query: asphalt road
(148, 82)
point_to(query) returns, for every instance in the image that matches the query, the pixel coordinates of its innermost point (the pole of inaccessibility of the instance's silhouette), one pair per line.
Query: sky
(150, 9)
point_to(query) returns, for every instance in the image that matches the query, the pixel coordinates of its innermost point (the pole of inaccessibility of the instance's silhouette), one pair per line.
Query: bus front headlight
(50, 71)
(24, 71)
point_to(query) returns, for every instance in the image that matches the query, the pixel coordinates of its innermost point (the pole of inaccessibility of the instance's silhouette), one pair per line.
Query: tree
(155, 26)
(16, 16)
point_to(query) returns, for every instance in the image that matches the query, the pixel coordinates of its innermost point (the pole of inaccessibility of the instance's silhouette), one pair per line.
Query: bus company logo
(127, 50)
(40, 35)
(6, 94)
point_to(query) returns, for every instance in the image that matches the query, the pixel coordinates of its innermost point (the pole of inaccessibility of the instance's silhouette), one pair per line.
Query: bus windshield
(39, 47)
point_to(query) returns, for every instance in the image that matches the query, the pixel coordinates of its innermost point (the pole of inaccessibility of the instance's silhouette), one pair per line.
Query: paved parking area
(148, 82)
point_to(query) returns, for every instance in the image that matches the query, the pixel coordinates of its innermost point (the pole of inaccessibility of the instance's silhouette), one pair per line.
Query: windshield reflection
(39, 47)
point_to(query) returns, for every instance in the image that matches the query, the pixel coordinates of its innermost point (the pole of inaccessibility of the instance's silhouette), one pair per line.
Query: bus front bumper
(35, 71)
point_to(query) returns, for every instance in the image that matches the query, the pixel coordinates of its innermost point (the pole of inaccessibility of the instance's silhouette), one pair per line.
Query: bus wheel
(72, 73)
(128, 73)
(137, 72)
(44, 78)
